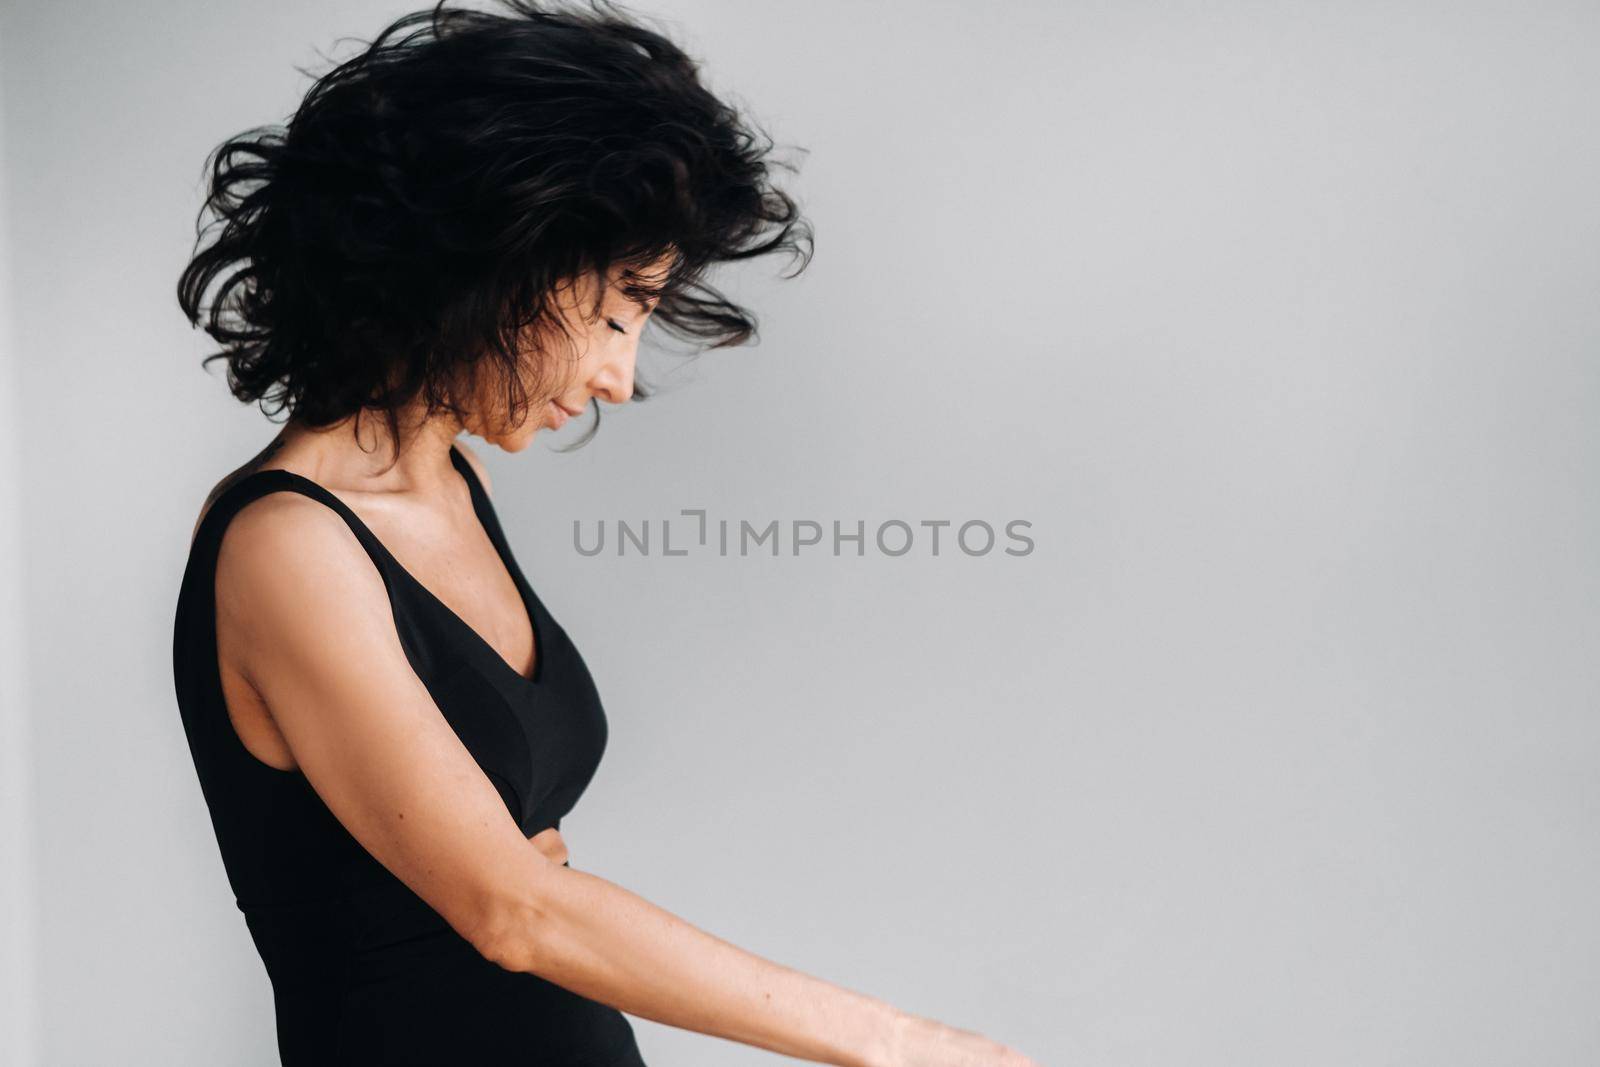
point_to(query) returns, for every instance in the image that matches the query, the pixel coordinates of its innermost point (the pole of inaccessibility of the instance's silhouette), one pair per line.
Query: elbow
(510, 932)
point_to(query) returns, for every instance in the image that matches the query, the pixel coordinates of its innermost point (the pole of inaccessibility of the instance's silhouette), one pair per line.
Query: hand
(548, 841)
(920, 1042)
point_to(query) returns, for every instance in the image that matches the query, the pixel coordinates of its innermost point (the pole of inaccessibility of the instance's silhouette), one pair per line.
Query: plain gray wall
(1277, 322)
(17, 987)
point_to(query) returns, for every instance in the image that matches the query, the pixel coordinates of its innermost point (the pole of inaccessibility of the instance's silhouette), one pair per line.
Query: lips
(559, 415)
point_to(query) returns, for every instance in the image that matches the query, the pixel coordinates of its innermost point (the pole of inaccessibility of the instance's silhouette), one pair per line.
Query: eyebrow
(645, 304)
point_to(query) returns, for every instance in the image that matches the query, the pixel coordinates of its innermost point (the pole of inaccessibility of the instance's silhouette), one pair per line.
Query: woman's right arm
(311, 621)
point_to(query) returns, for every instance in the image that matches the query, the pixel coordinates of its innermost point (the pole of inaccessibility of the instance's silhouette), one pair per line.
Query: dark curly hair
(415, 215)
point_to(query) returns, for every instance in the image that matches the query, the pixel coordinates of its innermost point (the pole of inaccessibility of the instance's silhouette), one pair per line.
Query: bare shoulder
(476, 463)
(286, 558)
(290, 527)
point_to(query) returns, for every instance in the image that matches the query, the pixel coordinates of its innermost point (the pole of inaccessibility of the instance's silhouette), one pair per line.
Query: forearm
(608, 944)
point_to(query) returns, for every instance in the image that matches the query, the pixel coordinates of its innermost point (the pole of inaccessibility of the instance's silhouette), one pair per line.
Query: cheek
(602, 347)
(559, 374)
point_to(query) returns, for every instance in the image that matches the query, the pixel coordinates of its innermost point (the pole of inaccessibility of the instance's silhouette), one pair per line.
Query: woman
(464, 228)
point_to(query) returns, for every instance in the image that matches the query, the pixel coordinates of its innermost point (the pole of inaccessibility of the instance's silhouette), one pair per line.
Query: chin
(523, 439)
(515, 439)
(513, 442)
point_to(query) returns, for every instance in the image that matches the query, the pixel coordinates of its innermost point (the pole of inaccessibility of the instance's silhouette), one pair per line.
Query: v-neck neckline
(480, 509)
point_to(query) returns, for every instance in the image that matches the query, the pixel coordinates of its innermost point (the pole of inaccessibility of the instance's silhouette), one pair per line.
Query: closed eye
(613, 324)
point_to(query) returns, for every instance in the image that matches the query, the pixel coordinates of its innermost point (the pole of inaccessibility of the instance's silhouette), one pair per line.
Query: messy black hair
(413, 218)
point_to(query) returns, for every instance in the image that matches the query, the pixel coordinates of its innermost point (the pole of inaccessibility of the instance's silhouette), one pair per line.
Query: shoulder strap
(481, 504)
(464, 465)
(489, 518)
(258, 484)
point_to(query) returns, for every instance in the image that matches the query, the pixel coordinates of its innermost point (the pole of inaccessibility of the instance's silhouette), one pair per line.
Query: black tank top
(362, 969)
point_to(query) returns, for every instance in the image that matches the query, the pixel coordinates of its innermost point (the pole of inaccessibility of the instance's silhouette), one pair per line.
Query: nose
(613, 383)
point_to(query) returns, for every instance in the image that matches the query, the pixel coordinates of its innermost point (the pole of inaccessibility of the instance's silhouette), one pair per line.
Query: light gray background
(1277, 321)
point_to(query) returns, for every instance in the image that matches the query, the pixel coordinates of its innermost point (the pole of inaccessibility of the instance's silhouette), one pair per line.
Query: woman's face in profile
(599, 363)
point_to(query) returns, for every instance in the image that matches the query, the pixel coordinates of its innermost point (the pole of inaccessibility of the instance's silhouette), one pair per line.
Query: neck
(356, 454)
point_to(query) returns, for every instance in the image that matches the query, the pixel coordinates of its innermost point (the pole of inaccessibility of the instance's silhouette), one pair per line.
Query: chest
(540, 743)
